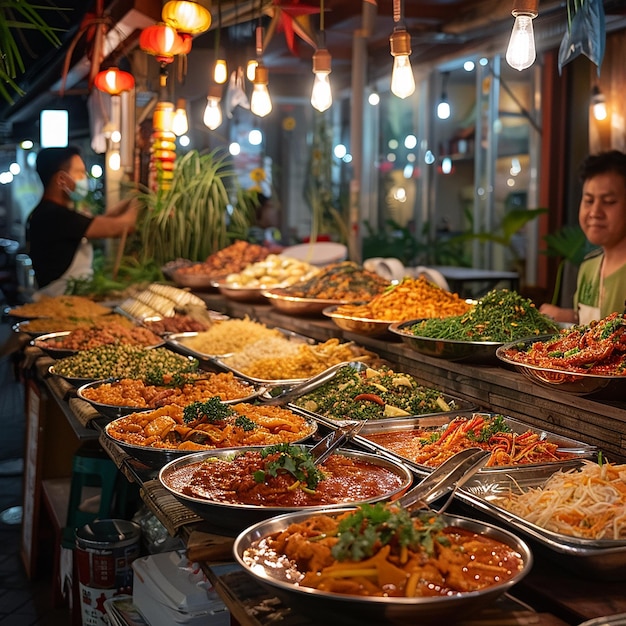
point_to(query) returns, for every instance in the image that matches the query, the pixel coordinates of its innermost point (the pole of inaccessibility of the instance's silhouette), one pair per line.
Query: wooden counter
(549, 596)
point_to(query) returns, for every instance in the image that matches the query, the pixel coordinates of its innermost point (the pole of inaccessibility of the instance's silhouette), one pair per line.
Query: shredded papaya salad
(597, 348)
(588, 502)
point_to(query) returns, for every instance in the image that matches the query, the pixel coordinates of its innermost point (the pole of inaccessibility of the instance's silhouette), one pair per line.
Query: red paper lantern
(162, 41)
(114, 81)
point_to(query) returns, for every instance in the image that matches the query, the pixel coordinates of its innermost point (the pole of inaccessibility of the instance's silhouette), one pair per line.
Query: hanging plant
(16, 18)
(585, 34)
(195, 217)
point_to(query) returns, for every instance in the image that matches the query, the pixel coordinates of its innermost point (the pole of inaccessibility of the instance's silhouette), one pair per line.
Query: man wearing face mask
(57, 234)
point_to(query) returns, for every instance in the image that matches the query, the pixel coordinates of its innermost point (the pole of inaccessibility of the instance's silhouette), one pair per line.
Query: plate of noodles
(575, 513)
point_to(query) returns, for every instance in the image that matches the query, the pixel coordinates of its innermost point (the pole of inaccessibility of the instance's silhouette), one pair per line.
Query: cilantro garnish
(245, 423)
(211, 411)
(295, 460)
(362, 533)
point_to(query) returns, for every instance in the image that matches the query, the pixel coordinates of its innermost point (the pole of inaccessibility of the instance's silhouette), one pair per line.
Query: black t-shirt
(53, 233)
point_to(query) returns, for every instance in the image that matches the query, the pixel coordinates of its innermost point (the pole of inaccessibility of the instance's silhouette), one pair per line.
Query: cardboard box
(169, 590)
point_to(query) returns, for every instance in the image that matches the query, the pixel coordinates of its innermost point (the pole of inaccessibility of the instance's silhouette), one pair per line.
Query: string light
(443, 108)
(521, 52)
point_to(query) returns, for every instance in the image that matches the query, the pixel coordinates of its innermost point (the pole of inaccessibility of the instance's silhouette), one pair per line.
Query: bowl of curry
(238, 487)
(349, 563)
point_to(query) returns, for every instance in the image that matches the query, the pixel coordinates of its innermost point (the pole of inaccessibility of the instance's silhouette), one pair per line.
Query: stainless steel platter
(156, 458)
(114, 411)
(578, 449)
(179, 342)
(474, 351)
(236, 517)
(576, 383)
(605, 559)
(371, 609)
(46, 343)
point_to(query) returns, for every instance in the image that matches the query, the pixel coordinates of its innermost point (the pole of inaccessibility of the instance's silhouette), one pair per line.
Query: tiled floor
(22, 602)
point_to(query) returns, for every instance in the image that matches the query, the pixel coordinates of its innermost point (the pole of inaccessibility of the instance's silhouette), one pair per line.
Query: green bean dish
(373, 395)
(123, 361)
(500, 316)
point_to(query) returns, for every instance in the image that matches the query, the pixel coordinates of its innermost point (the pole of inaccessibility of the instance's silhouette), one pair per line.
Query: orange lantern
(162, 41)
(114, 81)
(188, 18)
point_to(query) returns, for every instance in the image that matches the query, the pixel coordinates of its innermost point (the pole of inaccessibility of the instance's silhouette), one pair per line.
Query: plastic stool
(93, 468)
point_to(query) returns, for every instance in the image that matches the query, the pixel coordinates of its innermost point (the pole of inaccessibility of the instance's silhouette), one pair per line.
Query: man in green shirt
(601, 282)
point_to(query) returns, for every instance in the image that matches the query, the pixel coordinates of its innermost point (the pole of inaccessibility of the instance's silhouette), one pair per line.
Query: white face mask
(80, 191)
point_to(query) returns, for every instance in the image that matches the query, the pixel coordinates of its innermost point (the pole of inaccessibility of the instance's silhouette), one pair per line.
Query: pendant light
(180, 123)
(402, 79)
(220, 69)
(321, 96)
(212, 117)
(598, 104)
(521, 52)
(260, 101)
(443, 107)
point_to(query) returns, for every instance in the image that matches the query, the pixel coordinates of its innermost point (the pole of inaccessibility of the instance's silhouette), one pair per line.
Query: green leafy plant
(195, 217)
(17, 16)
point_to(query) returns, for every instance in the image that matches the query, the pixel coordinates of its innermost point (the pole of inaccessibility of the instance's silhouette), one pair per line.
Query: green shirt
(588, 286)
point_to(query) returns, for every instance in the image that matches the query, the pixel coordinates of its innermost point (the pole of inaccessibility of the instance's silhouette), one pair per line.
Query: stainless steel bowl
(359, 325)
(46, 343)
(156, 458)
(294, 305)
(576, 383)
(236, 517)
(475, 351)
(373, 610)
(240, 294)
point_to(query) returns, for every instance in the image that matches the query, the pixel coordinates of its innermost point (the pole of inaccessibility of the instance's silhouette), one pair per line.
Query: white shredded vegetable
(588, 502)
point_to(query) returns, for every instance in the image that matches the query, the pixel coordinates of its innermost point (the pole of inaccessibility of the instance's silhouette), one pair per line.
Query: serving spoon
(312, 383)
(324, 448)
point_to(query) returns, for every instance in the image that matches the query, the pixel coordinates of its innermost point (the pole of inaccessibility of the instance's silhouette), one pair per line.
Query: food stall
(561, 588)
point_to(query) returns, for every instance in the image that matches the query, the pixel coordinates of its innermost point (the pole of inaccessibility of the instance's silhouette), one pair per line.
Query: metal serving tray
(439, 422)
(604, 558)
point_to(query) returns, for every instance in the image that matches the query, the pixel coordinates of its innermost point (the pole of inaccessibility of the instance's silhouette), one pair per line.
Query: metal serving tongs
(324, 448)
(312, 383)
(447, 478)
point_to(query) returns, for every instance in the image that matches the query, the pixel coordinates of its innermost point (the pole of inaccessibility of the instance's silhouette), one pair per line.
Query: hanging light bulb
(260, 102)
(251, 69)
(443, 108)
(213, 112)
(180, 124)
(402, 79)
(321, 96)
(220, 71)
(521, 52)
(598, 104)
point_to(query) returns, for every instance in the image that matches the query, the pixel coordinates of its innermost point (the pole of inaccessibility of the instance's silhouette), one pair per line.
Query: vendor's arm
(107, 225)
(559, 314)
(120, 207)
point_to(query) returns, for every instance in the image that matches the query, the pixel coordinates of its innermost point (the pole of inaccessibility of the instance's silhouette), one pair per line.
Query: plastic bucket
(105, 550)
